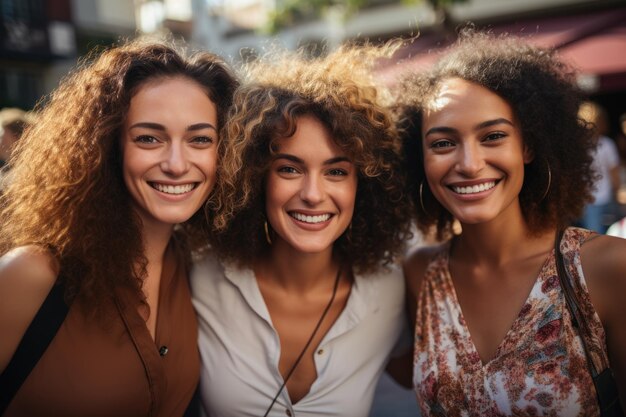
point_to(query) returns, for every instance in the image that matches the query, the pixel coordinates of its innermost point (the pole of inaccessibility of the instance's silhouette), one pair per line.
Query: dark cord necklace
(308, 343)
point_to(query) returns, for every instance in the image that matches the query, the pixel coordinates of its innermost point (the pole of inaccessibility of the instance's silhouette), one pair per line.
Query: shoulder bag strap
(603, 380)
(34, 343)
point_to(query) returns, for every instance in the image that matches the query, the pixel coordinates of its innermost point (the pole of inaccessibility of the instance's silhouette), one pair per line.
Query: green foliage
(291, 12)
(436, 4)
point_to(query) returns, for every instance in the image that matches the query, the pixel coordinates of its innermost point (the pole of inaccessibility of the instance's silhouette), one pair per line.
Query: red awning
(594, 43)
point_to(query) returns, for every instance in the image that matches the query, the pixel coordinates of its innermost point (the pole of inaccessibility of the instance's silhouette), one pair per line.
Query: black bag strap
(603, 379)
(571, 299)
(34, 343)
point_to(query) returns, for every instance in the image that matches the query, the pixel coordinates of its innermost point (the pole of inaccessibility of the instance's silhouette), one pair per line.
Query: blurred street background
(41, 40)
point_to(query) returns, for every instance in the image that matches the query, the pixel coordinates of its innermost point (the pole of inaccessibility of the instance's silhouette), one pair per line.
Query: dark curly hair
(338, 91)
(545, 99)
(66, 191)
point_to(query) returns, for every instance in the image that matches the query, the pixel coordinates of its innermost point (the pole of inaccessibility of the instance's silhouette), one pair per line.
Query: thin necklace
(317, 326)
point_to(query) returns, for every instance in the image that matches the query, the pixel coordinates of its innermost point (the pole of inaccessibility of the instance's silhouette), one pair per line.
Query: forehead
(311, 138)
(456, 97)
(171, 99)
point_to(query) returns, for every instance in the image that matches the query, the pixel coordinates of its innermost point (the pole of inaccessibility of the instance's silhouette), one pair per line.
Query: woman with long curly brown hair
(302, 305)
(124, 151)
(497, 145)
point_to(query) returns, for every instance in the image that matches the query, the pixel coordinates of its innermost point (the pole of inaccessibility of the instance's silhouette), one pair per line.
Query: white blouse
(240, 348)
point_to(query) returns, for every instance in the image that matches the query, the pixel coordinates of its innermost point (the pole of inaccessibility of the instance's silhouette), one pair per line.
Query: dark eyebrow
(157, 126)
(492, 123)
(300, 161)
(200, 126)
(440, 129)
(444, 129)
(148, 125)
(336, 160)
(289, 158)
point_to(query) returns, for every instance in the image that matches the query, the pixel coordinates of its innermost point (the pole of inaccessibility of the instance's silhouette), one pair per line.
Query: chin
(174, 218)
(311, 248)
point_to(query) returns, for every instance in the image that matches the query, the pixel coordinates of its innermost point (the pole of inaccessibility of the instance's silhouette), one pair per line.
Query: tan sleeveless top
(540, 367)
(116, 368)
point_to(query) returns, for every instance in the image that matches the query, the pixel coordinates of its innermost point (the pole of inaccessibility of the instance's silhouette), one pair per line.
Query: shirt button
(163, 350)
(320, 352)
(288, 412)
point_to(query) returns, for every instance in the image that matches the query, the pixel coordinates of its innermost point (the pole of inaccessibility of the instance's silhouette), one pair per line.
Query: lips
(473, 189)
(173, 189)
(320, 218)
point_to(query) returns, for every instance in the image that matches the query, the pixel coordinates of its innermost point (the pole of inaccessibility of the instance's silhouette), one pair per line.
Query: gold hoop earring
(267, 233)
(422, 200)
(545, 193)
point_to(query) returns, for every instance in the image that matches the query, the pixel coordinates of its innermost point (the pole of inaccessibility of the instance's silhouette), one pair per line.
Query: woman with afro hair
(494, 143)
(107, 196)
(301, 304)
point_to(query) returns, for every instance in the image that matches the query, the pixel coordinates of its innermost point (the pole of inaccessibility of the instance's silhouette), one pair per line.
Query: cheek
(349, 197)
(129, 166)
(433, 169)
(274, 190)
(207, 163)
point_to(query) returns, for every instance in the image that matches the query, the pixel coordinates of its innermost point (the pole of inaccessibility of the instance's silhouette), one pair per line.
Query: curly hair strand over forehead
(66, 190)
(543, 95)
(338, 90)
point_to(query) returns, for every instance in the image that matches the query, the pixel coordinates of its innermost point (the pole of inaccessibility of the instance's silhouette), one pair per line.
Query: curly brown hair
(66, 190)
(338, 90)
(543, 94)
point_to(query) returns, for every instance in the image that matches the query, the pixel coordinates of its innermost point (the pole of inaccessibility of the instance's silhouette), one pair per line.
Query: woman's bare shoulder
(26, 276)
(604, 257)
(29, 267)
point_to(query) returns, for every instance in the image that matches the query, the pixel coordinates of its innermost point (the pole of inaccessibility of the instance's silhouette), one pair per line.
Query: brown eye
(146, 139)
(202, 139)
(494, 136)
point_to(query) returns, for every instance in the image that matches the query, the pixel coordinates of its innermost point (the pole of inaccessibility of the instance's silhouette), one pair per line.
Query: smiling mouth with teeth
(173, 189)
(310, 219)
(473, 189)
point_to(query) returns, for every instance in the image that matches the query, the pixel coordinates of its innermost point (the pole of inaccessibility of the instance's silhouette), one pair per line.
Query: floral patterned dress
(539, 369)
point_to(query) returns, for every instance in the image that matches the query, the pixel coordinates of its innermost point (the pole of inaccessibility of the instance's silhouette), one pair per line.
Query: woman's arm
(26, 276)
(604, 265)
(401, 368)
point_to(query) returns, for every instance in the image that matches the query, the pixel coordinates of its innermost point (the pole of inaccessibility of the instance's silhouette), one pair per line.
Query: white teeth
(173, 189)
(310, 219)
(474, 188)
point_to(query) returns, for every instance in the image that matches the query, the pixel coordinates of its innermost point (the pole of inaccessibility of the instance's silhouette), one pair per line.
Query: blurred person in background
(493, 134)
(602, 211)
(301, 305)
(108, 190)
(13, 122)
(620, 141)
(619, 227)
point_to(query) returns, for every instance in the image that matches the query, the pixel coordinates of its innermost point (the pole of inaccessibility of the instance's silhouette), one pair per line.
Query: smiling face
(310, 189)
(474, 155)
(169, 146)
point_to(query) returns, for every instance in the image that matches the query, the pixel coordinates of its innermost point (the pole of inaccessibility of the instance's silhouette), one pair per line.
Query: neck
(500, 241)
(295, 271)
(155, 240)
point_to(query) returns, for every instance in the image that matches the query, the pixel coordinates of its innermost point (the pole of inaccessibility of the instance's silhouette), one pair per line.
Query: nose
(470, 160)
(175, 161)
(312, 191)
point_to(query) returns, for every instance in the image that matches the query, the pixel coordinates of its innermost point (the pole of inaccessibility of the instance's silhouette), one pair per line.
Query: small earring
(267, 233)
(422, 200)
(545, 193)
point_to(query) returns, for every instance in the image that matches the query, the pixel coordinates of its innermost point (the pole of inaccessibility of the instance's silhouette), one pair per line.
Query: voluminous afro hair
(545, 99)
(66, 191)
(337, 90)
